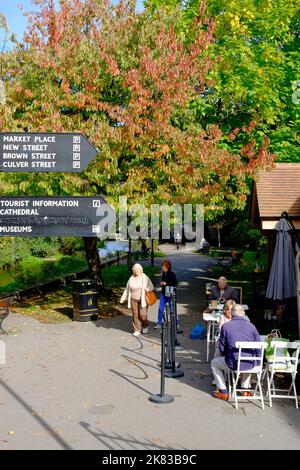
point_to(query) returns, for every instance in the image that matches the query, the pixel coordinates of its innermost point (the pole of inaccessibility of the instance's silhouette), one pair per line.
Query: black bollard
(162, 397)
(168, 339)
(179, 330)
(166, 322)
(173, 373)
(177, 344)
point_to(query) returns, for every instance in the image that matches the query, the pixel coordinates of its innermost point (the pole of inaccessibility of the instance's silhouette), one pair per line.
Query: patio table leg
(208, 340)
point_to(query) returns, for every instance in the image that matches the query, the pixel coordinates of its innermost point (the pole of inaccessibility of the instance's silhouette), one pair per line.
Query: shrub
(44, 246)
(70, 245)
(117, 276)
(35, 270)
(243, 234)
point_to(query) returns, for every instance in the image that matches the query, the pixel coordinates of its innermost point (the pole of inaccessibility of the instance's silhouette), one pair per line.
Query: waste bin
(84, 299)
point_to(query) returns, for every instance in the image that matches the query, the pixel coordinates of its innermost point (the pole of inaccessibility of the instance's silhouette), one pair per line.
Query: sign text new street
(45, 152)
(53, 216)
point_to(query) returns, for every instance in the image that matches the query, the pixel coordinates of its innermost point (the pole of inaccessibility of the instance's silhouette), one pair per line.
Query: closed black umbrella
(282, 280)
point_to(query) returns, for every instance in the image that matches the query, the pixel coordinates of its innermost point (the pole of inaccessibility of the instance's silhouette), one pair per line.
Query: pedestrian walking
(135, 293)
(177, 240)
(168, 278)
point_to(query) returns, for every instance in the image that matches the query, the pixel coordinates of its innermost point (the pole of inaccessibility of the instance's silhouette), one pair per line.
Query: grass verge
(57, 307)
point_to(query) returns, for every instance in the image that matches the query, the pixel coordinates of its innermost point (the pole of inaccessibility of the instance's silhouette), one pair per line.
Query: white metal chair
(239, 291)
(283, 364)
(257, 369)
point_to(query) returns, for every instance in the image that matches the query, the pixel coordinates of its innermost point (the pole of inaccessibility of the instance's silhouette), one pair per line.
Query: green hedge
(34, 270)
(117, 276)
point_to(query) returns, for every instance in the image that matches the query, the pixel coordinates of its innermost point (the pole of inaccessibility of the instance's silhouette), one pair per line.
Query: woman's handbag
(150, 298)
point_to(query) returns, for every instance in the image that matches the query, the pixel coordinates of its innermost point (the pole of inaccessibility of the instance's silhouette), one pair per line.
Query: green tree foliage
(243, 234)
(257, 62)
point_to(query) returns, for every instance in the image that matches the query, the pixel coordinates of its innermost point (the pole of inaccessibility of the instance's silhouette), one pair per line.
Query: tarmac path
(86, 385)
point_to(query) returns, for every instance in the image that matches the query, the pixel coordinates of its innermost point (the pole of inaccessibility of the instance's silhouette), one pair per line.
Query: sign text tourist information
(53, 216)
(45, 152)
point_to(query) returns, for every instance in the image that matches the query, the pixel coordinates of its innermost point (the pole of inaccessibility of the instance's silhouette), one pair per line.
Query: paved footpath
(86, 386)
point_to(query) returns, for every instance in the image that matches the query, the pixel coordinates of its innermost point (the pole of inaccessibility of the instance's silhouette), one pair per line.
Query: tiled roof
(279, 190)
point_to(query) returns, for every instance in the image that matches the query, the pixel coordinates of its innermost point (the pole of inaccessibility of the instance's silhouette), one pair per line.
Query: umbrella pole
(297, 261)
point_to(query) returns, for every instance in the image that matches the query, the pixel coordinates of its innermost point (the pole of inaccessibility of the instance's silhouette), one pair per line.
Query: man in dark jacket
(168, 278)
(223, 292)
(238, 329)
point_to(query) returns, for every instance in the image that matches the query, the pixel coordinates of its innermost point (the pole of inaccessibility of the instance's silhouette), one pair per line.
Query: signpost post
(47, 152)
(54, 216)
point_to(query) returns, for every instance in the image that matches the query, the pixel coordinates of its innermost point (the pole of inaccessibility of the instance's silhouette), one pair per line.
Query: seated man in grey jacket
(223, 292)
(238, 329)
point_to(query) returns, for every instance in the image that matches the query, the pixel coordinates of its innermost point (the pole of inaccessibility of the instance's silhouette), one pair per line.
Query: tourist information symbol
(55, 216)
(45, 152)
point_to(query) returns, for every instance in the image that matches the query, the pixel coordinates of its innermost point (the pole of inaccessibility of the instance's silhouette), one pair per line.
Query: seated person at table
(224, 318)
(223, 291)
(238, 329)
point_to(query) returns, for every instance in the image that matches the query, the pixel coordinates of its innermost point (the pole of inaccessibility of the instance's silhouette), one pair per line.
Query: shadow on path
(114, 441)
(63, 444)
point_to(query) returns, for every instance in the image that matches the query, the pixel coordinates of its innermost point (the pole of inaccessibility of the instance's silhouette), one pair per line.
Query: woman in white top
(135, 293)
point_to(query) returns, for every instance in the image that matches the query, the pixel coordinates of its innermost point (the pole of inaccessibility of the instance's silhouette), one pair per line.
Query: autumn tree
(127, 81)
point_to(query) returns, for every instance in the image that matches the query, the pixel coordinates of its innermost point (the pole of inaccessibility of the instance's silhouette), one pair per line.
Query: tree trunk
(92, 256)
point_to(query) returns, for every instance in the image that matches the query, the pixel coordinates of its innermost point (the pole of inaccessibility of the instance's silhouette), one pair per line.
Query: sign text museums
(53, 216)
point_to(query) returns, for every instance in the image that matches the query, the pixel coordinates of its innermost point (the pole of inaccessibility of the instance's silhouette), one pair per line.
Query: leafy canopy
(133, 84)
(257, 46)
